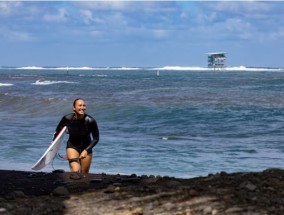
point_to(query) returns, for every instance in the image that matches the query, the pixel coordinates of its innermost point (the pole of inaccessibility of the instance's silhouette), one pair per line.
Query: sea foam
(46, 82)
(5, 85)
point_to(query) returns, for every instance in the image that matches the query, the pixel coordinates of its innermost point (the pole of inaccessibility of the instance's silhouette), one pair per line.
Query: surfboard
(50, 153)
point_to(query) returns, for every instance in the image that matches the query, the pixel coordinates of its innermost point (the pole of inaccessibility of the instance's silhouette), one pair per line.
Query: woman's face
(79, 108)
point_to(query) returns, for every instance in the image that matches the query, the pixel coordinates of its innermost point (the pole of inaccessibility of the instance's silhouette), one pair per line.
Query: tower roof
(214, 53)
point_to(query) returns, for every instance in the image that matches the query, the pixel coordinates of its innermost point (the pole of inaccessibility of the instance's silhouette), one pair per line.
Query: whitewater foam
(173, 68)
(5, 85)
(238, 68)
(30, 68)
(46, 82)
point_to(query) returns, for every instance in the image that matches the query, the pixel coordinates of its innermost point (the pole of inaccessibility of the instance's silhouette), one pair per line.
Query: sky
(141, 33)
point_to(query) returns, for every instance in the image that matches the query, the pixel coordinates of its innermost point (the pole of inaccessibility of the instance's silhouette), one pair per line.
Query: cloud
(238, 7)
(128, 6)
(87, 16)
(96, 34)
(161, 33)
(104, 5)
(240, 28)
(227, 21)
(279, 34)
(14, 36)
(9, 8)
(60, 16)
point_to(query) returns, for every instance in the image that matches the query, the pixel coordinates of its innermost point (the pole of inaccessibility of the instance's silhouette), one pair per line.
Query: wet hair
(77, 99)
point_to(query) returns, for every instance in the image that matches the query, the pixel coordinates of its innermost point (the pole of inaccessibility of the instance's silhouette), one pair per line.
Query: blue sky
(147, 34)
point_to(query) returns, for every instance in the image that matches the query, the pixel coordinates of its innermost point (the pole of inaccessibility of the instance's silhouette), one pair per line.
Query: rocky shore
(253, 193)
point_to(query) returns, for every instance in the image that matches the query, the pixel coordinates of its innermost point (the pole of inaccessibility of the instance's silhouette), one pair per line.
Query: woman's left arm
(95, 133)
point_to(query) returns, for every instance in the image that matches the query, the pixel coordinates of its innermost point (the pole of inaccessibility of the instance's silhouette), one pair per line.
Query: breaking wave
(174, 68)
(5, 85)
(46, 82)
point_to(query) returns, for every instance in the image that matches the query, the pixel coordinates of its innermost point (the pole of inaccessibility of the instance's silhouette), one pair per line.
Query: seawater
(180, 123)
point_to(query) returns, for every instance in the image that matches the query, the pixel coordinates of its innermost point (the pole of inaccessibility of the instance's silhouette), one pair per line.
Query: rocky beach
(253, 193)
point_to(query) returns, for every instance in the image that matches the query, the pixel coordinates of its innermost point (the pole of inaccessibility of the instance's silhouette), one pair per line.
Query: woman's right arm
(59, 127)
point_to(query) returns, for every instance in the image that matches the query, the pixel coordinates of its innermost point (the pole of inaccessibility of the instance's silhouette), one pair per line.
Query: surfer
(81, 127)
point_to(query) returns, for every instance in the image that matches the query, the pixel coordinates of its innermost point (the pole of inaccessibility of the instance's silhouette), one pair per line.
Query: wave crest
(46, 82)
(5, 85)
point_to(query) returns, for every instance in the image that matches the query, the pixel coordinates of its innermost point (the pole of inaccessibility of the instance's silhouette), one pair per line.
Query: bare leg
(75, 165)
(86, 163)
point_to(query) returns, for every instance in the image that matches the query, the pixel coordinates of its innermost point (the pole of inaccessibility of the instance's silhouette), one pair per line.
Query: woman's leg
(74, 162)
(86, 163)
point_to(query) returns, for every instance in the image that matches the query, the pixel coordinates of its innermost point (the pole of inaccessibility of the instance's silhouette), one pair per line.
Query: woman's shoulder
(69, 116)
(89, 118)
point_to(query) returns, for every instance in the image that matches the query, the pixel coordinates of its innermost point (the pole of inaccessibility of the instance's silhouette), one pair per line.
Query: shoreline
(221, 193)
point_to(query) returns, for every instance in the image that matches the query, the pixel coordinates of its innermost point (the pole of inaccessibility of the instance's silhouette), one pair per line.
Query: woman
(80, 144)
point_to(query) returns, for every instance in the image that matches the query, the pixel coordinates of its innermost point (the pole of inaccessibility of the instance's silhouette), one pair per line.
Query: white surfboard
(50, 153)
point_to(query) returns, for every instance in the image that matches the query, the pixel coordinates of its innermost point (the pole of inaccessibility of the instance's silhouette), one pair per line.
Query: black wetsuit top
(80, 131)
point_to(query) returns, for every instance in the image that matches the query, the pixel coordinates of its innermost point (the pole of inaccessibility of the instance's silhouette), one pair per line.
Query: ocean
(153, 121)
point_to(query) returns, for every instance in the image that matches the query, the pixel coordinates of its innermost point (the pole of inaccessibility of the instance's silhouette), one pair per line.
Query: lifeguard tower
(216, 60)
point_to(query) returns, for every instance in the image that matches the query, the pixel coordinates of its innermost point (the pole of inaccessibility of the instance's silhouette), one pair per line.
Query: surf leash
(61, 157)
(65, 158)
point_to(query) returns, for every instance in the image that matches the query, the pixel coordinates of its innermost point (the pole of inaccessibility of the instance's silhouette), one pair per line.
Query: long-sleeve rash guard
(80, 131)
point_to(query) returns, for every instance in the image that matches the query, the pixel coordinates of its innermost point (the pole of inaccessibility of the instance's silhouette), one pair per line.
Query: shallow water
(180, 123)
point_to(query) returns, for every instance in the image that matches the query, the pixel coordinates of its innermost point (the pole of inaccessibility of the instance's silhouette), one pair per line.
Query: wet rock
(2, 210)
(97, 180)
(233, 210)
(207, 210)
(112, 189)
(32, 175)
(15, 194)
(173, 184)
(58, 171)
(58, 182)
(60, 191)
(117, 184)
(249, 186)
(136, 211)
(259, 193)
(186, 212)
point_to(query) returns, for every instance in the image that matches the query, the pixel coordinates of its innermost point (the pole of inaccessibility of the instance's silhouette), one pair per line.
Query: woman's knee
(74, 165)
(86, 163)
(73, 157)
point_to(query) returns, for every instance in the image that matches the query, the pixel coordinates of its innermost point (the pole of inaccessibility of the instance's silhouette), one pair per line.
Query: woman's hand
(83, 154)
